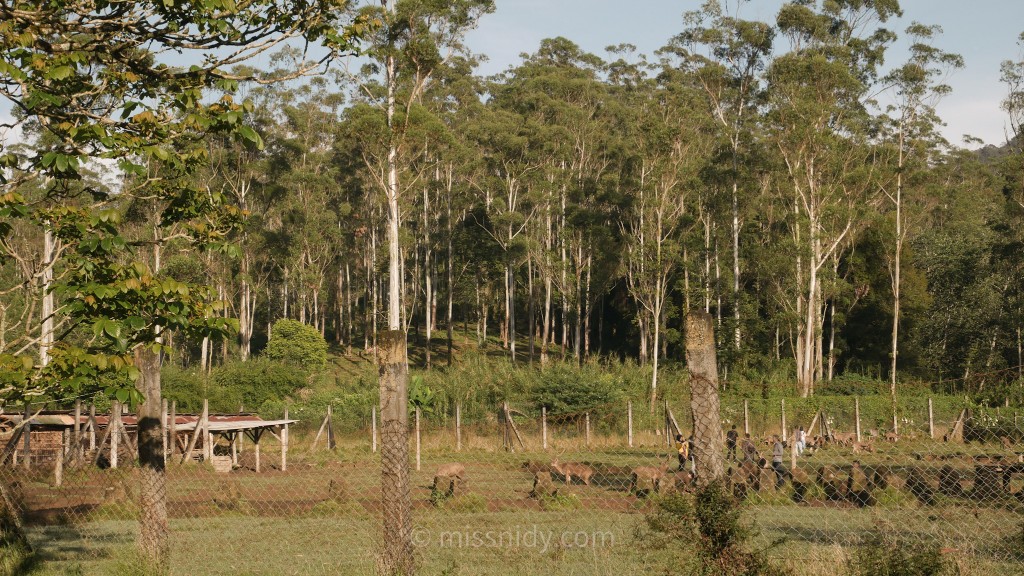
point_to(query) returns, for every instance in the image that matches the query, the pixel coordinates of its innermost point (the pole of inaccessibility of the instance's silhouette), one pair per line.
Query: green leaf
(122, 395)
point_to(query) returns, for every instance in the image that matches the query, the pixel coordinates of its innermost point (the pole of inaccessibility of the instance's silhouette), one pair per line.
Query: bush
(565, 389)
(709, 522)
(185, 387)
(297, 343)
(887, 554)
(252, 384)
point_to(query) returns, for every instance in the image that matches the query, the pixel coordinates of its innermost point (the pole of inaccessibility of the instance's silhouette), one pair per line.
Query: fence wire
(521, 492)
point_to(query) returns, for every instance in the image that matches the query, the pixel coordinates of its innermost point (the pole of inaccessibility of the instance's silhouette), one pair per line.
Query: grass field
(320, 517)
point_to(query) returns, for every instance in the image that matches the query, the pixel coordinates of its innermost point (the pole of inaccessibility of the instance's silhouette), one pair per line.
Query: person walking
(683, 447)
(731, 437)
(777, 452)
(801, 441)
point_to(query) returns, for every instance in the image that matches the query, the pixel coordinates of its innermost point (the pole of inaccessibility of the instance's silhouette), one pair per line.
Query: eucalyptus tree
(916, 88)
(664, 134)
(415, 39)
(727, 56)
(819, 125)
(559, 90)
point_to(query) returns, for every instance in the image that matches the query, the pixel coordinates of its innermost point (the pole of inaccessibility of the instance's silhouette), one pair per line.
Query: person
(730, 442)
(749, 450)
(683, 448)
(693, 456)
(777, 452)
(801, 441)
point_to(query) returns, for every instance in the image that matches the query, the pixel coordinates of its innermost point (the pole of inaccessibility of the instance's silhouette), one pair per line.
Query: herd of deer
(451, 475)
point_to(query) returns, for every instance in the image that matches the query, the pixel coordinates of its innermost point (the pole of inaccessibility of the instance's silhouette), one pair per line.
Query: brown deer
(655, 475)
(570, 469)
(454, 473)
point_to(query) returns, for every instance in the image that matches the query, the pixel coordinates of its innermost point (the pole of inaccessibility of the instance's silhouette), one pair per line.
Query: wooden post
(856, 416)
(284, 443)
(544, 427)
(58, 465)
(458, 426)
(746, 417)
(172, 428)
(705, 408)
(373, 429)
(586, 425)
(76, 437)
(331, 444)
(417, 438)
(257, 432)
(163, 429)
(792, 456)
(241, 436)
(234, 448)
(668, 428)
(92, 427)
(629, 423)
(931, 419)
(27, 446)
(207, 437)
(783, 419)
(115, 431)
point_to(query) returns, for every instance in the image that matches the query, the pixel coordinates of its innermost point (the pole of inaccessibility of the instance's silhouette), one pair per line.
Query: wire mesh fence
(519, 489)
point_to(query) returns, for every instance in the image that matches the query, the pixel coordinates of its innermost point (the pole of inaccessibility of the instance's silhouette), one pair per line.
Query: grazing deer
(453, 472)
(859, 447)
(653, 474)
(892, 437)
(570, 469)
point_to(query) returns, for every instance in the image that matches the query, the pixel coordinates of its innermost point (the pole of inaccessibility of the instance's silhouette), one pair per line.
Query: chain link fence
(519, 490)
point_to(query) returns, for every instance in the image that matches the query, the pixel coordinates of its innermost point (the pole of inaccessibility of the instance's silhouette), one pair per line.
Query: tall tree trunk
(153, 528)
(393, 367)
(46, 335)
(709, 451)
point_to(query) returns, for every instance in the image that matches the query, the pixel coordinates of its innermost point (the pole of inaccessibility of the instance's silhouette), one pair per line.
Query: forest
(785, 177)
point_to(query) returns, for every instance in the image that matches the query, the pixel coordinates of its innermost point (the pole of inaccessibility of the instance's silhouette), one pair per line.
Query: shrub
(886, 554)
(565, 389)
(252, 383)
(297, 343)
(709, 522)
(185, 387)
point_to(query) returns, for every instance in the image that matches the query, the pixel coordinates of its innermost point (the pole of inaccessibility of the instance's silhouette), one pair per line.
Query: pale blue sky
(984, 32)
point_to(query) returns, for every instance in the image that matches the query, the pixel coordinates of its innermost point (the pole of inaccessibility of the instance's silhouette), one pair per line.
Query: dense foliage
(574, 206)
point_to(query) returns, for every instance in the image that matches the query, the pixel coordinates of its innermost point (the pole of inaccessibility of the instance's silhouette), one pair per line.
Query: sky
(984, 32)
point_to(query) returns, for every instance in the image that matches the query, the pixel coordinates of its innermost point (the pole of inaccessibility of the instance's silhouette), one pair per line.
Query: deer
(453, 472)
(653, 474)
(570, 469)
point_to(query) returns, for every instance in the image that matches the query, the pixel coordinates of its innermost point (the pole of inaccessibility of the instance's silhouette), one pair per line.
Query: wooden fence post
(172, 428)
(284, 442)
(586, 429)
(856, 416)
(629, 423)
(783, 419)
(76, 438)
(544, 426)
(458, 426)
(92, 427)
(417, 438)
(931, 419)
(746, 417)
(115, 431)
